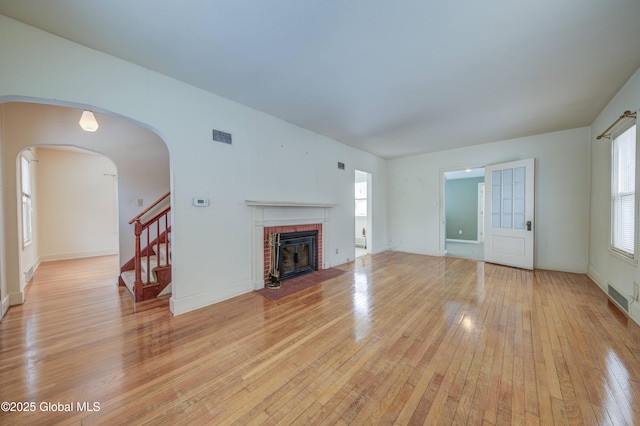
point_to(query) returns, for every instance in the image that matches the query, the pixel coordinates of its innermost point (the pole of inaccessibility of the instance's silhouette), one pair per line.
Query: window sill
(624, 258)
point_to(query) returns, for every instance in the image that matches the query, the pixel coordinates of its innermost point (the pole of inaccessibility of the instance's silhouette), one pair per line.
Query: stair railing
(160, 224)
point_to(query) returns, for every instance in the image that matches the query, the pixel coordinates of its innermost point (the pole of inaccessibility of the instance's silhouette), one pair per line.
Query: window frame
(27, 201)
(615, 195)
(361, 192)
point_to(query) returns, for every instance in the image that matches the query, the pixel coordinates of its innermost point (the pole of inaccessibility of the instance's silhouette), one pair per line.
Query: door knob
(528, 225)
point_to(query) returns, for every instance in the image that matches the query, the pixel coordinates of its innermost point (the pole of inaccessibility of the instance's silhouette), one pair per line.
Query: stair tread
(162, 249)
(143, 272)
(153, 263)
(129, 278)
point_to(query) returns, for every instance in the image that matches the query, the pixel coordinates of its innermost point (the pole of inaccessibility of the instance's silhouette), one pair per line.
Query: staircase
(148, 274)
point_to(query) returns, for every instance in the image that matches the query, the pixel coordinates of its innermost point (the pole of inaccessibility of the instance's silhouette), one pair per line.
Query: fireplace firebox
(298, 253)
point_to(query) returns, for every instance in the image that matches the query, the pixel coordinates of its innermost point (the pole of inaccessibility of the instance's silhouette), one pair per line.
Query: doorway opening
(363, 213)
(73, 205)
(81, 190)
(464, 213)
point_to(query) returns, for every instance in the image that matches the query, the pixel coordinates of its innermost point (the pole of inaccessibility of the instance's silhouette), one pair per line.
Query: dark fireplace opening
(298, 253)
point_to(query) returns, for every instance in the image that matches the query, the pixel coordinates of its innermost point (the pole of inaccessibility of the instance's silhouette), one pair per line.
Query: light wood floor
(400, 339)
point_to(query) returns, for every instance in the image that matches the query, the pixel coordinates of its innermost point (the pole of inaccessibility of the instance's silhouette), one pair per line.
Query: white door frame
(481, 213)
(442, 249)
(369, 226)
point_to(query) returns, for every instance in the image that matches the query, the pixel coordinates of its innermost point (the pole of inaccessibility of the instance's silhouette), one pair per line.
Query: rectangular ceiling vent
(619, 298)
(340, 165)
(220, 136)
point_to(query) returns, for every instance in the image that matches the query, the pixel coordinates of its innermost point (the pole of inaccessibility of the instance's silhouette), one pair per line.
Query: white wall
(604, 266)
(39, 65)
(77, 204)
(562, 195)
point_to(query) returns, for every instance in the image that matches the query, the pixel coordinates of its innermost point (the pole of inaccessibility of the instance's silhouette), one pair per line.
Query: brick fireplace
(291, 229)
(286, 217)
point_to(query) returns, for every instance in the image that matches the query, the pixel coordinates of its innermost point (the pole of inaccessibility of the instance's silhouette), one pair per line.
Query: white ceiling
(391, 78)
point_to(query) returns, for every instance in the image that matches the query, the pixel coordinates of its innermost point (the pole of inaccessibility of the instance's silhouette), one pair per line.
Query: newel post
(138, 266)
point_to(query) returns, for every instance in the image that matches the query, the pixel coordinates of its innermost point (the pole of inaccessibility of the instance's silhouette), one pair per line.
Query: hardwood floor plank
(387, 407)
(397, 339)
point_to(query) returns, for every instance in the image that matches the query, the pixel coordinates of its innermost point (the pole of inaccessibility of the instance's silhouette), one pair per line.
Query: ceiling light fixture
(88, 121)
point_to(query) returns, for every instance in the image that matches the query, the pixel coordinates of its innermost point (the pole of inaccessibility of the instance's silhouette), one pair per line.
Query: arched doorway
(141, 158)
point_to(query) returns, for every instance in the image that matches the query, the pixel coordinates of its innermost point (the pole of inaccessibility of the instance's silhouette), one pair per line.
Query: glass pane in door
(508, 198)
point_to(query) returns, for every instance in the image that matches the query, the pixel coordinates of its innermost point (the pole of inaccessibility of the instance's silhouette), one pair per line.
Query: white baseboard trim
(33, 268)
(16, 298)
(258, 285)
(380, 249)
(77, 255)
(562, 268)
(634, 307)
(634, 311)
(597, 278)
(451, 240)
(414, 250)
(201, 300)
(5, 306)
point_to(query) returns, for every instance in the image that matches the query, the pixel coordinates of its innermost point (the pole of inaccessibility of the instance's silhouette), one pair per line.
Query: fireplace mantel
(282, 214)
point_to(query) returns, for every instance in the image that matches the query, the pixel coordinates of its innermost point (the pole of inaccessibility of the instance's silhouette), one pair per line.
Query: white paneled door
(509, 213)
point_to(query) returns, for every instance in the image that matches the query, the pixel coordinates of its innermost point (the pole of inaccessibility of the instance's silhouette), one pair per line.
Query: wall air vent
(340, 165)
(619, 298)
(220, 136)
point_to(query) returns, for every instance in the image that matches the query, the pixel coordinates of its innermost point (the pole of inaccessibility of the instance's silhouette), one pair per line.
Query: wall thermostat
(201, 202)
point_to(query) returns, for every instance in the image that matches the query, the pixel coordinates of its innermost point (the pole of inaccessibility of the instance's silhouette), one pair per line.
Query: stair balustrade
(152, 258)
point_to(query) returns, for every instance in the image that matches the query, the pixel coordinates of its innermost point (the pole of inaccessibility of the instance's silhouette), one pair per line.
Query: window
(27, 228)
(361, 198)
(623, 193)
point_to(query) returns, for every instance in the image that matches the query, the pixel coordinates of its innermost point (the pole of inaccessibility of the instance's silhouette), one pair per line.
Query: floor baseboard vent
(619, 298)
(28, 275)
